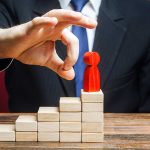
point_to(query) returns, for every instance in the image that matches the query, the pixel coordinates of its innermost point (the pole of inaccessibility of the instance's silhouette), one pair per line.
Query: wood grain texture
(70, 137)
(48, 126)
(122, 131)
(26, 123)
(92, 97)
(92, 117)
(48, 114)
(72, 117)
(48, 136)
(89, 127)
(92, 137)
(92, 107)
(70, 126)
(70, 104)
(26, 136)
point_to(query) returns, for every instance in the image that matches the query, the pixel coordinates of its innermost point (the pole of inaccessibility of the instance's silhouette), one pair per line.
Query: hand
(34, 42)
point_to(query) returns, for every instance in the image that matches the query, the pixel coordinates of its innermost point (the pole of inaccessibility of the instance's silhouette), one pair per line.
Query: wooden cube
(48, 126)
(90, 127)
(26, 123)
(92, 107)
(48, 136)
(71, 104)
(92, 97)
(92, 137)
(48, 114)
(26, 136)
(70, 137)
(92, 117)
(7, 132)
(70, 117)
(70, 126)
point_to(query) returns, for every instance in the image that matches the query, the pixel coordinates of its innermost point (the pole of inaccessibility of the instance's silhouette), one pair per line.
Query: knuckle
(35, 20)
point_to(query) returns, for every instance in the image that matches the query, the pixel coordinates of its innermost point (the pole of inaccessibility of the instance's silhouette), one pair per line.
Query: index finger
(72, 17)
(72, 43)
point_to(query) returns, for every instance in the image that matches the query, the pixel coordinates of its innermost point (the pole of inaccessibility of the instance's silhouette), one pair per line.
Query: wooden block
(70, 126)
(92, 137)
(48, 136)
(90, 127)
(92, 97)
(70, 137)
(71, 104)
(92, 117)
(48, 126)
(48, 114)
(7, 132)
(70, 117)
(26, 123)
(92, 107)
(26, 136)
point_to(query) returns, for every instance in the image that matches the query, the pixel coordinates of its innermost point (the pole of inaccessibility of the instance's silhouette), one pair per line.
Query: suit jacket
(122, 39)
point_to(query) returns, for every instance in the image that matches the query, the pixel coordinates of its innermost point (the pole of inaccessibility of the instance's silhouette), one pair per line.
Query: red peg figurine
(91, 80)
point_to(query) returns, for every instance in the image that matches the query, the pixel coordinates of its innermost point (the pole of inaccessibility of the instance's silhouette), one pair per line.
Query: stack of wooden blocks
(48, 124)
(26, 128)
(7, 132)
(70, 119)
(76, 120)
(92, 116)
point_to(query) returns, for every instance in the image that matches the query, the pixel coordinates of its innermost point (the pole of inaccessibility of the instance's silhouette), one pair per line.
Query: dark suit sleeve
(144, 83)
(6, 18)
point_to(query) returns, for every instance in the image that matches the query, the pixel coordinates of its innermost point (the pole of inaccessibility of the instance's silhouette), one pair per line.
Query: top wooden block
(26, 123)
(70, 104)
(92, 97)
(50, 114)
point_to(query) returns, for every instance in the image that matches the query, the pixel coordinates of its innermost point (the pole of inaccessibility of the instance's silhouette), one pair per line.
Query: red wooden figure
(91, 81)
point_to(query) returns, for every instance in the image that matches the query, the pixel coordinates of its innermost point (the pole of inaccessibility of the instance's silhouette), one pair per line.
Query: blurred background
(3, 94)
